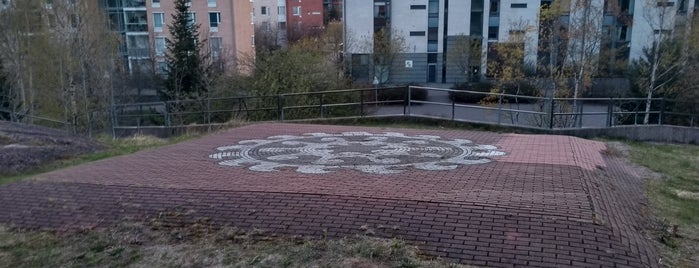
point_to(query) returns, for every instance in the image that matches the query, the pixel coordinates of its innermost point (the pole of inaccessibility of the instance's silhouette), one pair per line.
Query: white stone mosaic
(386, 153)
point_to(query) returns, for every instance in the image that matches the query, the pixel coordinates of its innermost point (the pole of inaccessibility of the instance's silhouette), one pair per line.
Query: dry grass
(151, 245)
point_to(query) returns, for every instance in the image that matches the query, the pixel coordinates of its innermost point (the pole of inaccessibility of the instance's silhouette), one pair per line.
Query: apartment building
(304, 17)
(618, 30)
(226, 26)
(269, 17)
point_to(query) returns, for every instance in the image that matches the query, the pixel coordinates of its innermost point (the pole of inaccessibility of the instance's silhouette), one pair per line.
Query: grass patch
(674, 197)
(142, 245)
(114, 147)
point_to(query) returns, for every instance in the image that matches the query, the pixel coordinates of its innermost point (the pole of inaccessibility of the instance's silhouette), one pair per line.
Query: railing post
(610, 111)
(322, 109)
(410, 100)
(361, 103)
(580, 120)
(551, 113)
(662, 111)
(405, 101)
(208, 113)
(453, 109)
(280, 107)
(499, 109)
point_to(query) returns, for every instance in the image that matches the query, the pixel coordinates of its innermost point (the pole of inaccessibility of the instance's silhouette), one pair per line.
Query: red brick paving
(551, 201)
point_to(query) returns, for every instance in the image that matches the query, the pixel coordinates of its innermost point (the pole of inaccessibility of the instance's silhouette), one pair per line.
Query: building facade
(226, 26)
(304, 17)
(450, 41)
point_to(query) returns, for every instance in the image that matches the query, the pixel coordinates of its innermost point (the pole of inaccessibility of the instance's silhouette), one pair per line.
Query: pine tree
(186, 74)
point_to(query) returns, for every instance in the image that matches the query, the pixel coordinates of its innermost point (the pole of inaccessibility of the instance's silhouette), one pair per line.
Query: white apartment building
(431, 28)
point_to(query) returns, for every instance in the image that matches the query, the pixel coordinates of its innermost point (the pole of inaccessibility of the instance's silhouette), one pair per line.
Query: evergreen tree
(186, 74)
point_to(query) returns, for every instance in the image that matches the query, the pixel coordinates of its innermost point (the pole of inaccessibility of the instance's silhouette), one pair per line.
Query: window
(418, 7)
(214, 20)
(493, 32)
(281, 10)
(518, 5)
(211, 3)
(215, 43)
(161, 67)
(188, 3)
(417, 33)
(263, 10)
(136, 21)
(155, 3)
(160, 46)
(158, 21)
(296, 11)
(265, 26)
(494, 7)
(192, 18)
(282, 25)
(666, 4)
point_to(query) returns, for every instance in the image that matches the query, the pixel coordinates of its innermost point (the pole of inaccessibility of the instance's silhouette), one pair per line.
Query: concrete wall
(674, 134)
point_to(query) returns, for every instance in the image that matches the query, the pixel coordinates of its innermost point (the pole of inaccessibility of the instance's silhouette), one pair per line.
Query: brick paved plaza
(478, 198)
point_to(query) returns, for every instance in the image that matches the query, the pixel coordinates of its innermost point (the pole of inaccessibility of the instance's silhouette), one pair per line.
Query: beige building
(226, 26)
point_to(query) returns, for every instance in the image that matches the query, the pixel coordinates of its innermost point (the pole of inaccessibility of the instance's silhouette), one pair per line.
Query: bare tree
(385, 46)
(662, 64)
(464, 54)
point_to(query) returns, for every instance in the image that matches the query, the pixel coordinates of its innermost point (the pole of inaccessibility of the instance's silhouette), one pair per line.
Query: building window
(161, 67)
(188, 3)
(158, 21)
(417, 33)
(160, 46)
(282, 25)
(281, 10)
(296, 11)
(136, 21)
(493, 32)
(265, 26)
(518, 5)
(666, 4)
(211, 3)
(192, 18)
(214, 20)
(264, 11)
(418, 7)
(155, 3)
(216, 44)
(494, 7)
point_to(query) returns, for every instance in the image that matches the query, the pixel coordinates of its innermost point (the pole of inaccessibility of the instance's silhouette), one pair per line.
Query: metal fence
(457, 105)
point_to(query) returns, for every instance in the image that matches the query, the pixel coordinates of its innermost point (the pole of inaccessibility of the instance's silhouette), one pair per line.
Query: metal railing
(490, 108)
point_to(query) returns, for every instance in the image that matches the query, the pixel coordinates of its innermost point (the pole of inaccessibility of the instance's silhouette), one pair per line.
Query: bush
(466, 97)
(525, 89)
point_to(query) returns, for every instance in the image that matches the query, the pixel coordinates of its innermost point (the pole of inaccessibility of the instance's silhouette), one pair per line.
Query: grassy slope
(195, 246)
(675, 197)
(114, 147)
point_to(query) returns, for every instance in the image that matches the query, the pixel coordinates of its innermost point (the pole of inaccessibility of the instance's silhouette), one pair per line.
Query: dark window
(519, 5)
(417, 33)
(494, 7)
(493, 32)
(418, 6)
(432, 58)
(666, 4)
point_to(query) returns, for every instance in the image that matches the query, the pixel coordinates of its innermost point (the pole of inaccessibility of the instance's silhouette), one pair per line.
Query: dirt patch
(25, 147)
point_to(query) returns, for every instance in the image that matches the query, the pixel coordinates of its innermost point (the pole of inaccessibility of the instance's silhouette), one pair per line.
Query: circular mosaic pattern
(385, 153)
